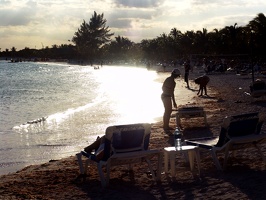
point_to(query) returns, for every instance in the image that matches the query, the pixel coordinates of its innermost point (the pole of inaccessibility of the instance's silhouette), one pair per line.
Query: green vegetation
(92, 43)
(90, 38)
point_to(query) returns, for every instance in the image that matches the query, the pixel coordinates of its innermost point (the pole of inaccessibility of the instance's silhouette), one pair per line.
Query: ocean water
(51, 111)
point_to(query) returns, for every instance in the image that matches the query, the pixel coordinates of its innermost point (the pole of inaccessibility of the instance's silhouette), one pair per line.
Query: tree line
(92, 43)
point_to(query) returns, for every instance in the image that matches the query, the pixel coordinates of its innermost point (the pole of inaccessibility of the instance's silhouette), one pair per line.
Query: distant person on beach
(205, 65)
(168, 97)
(164, 66)
(148, 65)
(202, 81)
(187, 68)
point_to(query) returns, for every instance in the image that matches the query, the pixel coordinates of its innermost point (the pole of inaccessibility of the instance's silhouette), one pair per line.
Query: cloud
(4, 2)
(15, 16)
(125, 18)
(139, 3)
(120, 23)
(132, 14)
(30, 22)
(217, 2)
(8, 19)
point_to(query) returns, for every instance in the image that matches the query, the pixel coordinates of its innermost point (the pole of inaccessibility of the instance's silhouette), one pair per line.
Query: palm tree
(201, 41)
(13, 51)
(176, 34)
(257, 29)
(91, 36)
(119, 48)
(187, 42)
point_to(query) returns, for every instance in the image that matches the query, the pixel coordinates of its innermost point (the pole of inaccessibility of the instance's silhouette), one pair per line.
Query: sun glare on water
(134, 93)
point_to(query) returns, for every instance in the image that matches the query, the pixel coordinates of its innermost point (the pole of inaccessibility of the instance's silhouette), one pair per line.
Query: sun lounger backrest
(242, 127)
(258, 85)
(128, 138)
(258, 88)
(239, 125)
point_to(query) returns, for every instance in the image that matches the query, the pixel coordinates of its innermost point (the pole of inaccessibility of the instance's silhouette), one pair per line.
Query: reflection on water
(78, 104)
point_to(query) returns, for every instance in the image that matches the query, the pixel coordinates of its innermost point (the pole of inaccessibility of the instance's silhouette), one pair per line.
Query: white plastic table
(170, 155)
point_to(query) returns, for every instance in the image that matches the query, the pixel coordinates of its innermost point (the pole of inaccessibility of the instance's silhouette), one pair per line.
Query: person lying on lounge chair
(97, 147)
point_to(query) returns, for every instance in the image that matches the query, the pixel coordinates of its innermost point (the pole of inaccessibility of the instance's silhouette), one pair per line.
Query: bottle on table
(177, 138)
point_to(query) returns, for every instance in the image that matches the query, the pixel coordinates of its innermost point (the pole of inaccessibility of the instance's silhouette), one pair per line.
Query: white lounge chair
(237, 132)
(190, 112)
(258, 89)
(124, 145)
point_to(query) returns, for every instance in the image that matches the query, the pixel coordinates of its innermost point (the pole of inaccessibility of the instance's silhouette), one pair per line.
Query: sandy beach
(245, 177)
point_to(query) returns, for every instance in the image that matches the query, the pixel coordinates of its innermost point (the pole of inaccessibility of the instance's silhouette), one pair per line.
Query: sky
(43, 23)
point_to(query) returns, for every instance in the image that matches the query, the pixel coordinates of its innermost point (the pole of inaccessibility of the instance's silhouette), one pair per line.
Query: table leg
(172, 164)
(205, 119)
(198, 159)
(166, 160)
(191, 157)
(159, 166)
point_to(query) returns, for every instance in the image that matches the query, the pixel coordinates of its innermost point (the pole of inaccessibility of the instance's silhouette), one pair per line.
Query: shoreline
(244, 179)
(77, 113)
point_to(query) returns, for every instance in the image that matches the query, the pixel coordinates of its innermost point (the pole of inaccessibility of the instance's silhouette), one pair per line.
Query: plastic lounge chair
(258, 89)
(190, 112)
(237, 132)
(124, 145)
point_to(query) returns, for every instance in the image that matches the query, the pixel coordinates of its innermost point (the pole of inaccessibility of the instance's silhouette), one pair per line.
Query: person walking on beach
(168, 97)
(187, 68)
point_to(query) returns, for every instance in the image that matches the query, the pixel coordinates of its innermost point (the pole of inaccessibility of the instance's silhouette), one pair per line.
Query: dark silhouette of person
(187, 68)
(168, 97)
(202, 81)
(98, 147)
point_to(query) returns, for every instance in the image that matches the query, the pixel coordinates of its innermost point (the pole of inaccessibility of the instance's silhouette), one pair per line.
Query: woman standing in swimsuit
(168, 97)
